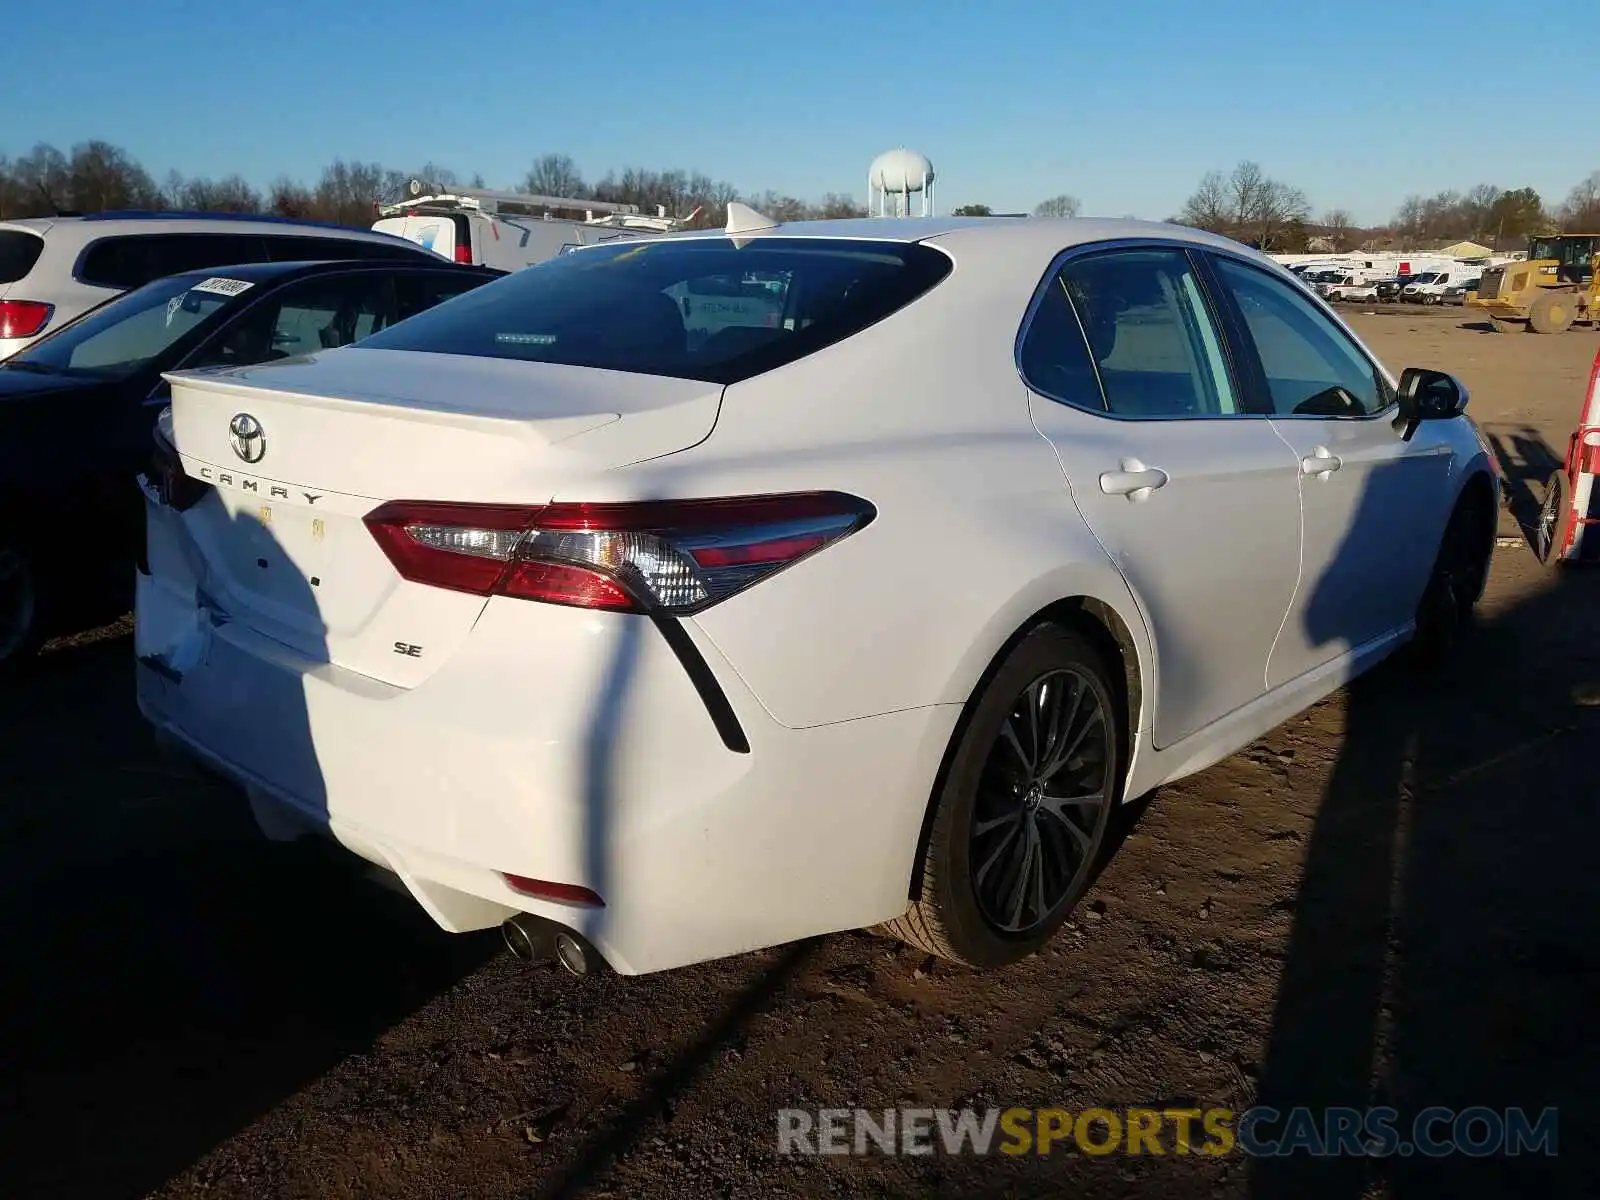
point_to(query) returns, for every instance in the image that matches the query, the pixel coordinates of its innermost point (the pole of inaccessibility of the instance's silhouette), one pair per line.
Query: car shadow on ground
(1442, 950)
(1527, 461)
(170, 975)
(1442, 931)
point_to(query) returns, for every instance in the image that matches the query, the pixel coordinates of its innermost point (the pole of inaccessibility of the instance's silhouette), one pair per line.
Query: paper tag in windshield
(222, 287)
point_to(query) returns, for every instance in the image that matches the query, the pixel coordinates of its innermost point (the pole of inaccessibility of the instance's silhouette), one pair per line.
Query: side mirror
(1429, 396)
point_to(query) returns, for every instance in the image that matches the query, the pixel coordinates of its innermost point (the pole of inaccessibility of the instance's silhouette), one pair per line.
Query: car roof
(91, 226)
(1045, 233)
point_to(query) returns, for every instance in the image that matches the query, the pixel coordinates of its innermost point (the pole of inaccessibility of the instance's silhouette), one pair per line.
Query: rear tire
(1555, 520)
(21, 631)
(1020, 818)
(1551, 313)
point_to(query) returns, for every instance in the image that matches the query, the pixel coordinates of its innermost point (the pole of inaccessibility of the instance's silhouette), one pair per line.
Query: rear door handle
(1321, 461)
(1134, 480)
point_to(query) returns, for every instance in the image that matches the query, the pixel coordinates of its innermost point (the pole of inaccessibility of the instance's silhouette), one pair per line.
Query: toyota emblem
(248, 439)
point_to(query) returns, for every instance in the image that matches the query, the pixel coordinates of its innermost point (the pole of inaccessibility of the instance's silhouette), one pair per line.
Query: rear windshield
(18, 252)
(695, 308)
(116, 339)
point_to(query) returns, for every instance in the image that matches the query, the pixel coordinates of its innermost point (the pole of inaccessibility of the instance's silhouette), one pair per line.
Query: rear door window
(694, 308)
(320, 313)
(1155, 347)
(133, 260)
(18, 252)
(418, 291)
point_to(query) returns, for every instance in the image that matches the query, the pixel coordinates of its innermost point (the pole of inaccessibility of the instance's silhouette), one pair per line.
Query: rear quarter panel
(923, 415)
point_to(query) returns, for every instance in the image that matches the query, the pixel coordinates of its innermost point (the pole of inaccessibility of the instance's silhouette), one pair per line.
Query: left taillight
(23, 318)
(676, 557)
(176, 488)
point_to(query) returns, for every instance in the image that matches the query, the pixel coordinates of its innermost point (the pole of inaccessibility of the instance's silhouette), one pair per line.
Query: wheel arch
(1480, 485)
(1108, 627)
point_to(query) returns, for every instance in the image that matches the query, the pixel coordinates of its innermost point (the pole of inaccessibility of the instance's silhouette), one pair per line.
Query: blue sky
(1122, 104)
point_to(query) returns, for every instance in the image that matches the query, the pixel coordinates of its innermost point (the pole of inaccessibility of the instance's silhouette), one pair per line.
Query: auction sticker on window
(222, 287)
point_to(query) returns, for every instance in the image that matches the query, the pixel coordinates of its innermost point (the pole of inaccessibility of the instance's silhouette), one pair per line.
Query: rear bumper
(566, 746)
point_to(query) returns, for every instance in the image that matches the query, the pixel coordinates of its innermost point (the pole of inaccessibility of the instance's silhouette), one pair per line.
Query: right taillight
(23, 318)
(675, 556)
(464, 253)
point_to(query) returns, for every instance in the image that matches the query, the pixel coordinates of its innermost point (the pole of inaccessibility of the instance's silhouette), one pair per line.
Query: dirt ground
(1389, 899)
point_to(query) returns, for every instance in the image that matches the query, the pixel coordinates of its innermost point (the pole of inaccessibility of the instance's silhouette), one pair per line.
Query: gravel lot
(1389, 899)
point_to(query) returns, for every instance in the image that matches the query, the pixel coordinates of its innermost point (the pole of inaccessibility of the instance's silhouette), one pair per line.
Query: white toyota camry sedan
(681, 597)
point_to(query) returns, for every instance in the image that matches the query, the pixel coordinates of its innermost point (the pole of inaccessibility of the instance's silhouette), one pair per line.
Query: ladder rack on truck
(519, 204)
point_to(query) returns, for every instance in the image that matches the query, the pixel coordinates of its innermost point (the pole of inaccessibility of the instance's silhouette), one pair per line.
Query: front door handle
(1321, 461)
(1134, 480)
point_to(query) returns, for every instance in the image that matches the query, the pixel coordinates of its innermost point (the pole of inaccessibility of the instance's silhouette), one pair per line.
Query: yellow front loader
(1558, 286)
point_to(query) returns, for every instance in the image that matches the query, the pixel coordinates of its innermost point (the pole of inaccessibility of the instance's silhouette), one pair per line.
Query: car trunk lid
(296, 454)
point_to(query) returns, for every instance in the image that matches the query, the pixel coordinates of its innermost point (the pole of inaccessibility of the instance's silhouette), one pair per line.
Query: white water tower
(900, 174)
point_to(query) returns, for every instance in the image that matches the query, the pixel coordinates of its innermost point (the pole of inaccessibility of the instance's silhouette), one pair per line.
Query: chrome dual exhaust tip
(535, 940)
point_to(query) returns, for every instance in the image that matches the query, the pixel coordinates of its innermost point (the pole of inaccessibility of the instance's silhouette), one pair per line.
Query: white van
(1430, 287)
(508, 230)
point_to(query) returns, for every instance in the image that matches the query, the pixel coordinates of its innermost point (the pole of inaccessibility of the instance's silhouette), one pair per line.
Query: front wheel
(1550, 535)
(1551, 313)
(1021, 816)
(1460, 573)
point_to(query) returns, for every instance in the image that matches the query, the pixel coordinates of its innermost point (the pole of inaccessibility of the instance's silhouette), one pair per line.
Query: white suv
(53, 269)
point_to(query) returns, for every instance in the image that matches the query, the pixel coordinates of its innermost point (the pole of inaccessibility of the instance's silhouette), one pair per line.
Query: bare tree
(1477, 208)
(1338, 223)
(435, 178)
(286, 198)
(1058, 206)
(1280, 209)
(12, 194)
(1581, 211)
(836, 207)
(1247, 205)
(351, 193)
(174, 190)
(555, 175)
(1209, 207)
(43, 176)
(1247, 193)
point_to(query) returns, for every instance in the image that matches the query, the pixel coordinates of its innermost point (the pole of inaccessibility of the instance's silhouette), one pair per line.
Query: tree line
(1247, 203)
(1251, 206)
(96, 176)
